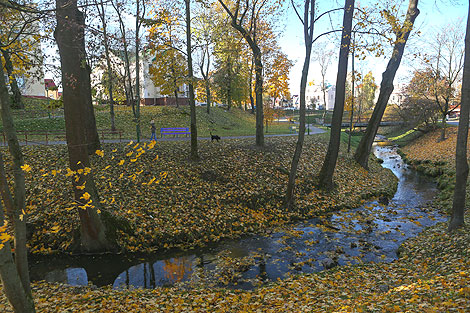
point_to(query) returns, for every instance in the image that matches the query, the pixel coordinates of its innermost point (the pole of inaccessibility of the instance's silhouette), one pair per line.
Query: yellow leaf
(26, 168)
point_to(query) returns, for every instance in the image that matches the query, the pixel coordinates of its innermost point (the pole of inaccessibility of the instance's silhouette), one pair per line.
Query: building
(51, 89)
(149, 93)
(314, 97)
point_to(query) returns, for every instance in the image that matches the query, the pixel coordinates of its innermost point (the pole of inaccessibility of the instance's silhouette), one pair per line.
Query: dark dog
(214, 137)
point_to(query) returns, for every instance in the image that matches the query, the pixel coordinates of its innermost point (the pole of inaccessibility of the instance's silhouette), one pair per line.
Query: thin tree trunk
(324, 98)
(15, 208)
(329, 164)
(129, 93)
(444, 125)
(205, 76)
(259, 96)
(12, 286)
(461, 163)
(21, 252)
(351, 115)
(208, 97)
(17, 101)
(309, 23)
(251, 40)
(192, 103)
(252, 101)
(108, 64)
(69, 38)
(137, 71)
(386, 87)
(229, 85)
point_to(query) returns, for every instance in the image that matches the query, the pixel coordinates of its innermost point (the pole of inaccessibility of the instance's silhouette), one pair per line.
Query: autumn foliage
(172, 203)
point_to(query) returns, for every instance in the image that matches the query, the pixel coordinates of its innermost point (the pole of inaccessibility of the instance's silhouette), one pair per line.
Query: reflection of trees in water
(175, 269)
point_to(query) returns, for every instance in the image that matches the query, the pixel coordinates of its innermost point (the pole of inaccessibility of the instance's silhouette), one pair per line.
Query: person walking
(154, 130)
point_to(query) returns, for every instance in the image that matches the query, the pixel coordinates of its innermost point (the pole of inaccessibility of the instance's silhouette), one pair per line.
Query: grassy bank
(236, 122)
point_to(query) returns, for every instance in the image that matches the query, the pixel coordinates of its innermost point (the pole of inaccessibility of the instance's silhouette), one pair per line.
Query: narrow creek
(370, 233)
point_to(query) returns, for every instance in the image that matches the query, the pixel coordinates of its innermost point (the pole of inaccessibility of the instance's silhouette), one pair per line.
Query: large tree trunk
(461, 163)
(386, 87)
(309, 20)
(192, 103)
(17, 279)
(329, 164)
(17, 101)
(69, 37)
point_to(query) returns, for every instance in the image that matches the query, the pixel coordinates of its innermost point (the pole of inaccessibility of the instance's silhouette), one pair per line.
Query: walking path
(313, 130)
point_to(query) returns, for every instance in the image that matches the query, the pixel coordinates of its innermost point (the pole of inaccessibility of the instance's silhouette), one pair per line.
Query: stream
(370, 233)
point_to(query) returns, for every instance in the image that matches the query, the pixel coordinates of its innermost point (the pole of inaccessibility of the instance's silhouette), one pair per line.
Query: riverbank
(431, 275)
(170, 202)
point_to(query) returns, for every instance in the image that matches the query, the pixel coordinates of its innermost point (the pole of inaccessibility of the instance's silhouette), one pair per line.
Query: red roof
(49, 83)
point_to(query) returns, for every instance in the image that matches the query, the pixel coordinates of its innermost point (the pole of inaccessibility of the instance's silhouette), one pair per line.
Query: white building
(149, 93)
(314, 96)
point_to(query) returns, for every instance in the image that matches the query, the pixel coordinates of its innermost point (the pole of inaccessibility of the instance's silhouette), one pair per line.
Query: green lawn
(236, 122)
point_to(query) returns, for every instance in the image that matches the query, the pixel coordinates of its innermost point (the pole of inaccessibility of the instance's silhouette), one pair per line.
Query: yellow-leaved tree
(168, 69)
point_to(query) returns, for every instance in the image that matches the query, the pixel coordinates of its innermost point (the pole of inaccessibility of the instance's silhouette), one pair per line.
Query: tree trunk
(208, 96)
(444, 125)
(192, 103)
(461, 163)
(12, 285)
(351, 114)
(251, 40)
(329, 164)
(108, 64)
(250, 83)
(259, 96)
(324, 98)
(15, 207)
(386, 87)
(129, 92)
(69, 38)
(229, 84)
(17, 101)
(309, 15)
(137, 72)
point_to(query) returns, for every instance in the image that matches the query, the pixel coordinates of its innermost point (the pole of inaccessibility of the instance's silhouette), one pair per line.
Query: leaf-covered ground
(171, 202)
(431, 275)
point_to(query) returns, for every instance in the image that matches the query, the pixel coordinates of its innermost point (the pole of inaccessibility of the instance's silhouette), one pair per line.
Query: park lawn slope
(221, 122)
(169, 201)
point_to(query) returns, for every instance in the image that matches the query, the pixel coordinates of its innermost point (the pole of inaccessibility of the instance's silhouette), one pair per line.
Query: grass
(219, 121)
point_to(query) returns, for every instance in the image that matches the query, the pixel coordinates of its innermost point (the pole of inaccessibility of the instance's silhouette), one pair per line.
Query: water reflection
(371, 233)
(160, 273)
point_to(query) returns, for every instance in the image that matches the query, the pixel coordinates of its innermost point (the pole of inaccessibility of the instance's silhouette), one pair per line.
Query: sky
(433, 14)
